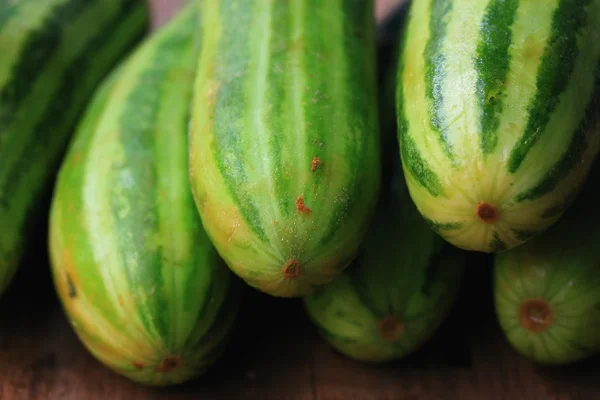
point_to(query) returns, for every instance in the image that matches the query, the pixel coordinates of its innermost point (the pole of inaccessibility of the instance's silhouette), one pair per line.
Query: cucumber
(498, 107)
(284, 153)
(141, 283)
(395, 295)
(54, 54)
(547, 291)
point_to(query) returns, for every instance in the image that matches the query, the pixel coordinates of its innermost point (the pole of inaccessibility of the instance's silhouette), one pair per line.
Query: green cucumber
(547, 291)
(54, 54)
(140, 281)
(284, 154)
(399, 290)
(498, 107)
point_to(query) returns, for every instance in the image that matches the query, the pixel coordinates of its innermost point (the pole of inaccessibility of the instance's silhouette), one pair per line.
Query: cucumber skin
(138, 278)
(36, 124)
(559, 268)
(404, 270)
(284, 154)
(497, 104)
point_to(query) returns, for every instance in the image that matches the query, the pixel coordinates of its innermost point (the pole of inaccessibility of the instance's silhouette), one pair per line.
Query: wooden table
(276, 353)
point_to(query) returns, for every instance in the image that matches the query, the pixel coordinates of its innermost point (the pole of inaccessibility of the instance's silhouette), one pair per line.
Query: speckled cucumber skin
(399, 290)
(284, 153)
(498, 107)
(139, 279)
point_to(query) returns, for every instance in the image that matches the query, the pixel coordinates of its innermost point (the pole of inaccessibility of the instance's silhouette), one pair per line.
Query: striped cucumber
(54, 53)
(284, 139)
(498, 105)
(139, 279)
(398, 291)
(547, 291)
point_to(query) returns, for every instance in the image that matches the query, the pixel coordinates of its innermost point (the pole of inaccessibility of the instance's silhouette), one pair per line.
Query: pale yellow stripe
(221, 215)
(83, 313)
(417, 110)
(416, 104)
(98, 191)
(460, 109)
(260, 166)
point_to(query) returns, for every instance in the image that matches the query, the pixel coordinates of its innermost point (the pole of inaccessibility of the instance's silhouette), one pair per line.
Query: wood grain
(276, 352)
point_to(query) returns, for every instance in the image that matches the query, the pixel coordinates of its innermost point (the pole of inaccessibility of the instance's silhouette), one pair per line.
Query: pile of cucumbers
(251, 144)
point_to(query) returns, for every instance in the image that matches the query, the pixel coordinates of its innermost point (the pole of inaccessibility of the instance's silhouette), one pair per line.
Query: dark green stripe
(195, 338)
(571, 158)
(231, 71)
(362, 277)
(74, 90)
(320, 115)
(411, 157)
(137, 128)
(496, 243)
(217, 315)
(72, 290)
(39, 48)
(316, 69)
(278, 111)
(203, 253)
(76, 77)
(443, 226)
(492, 66)
(437, 260)
(384, 288)
(360, 117)
(435, 64)
(554, 74)
(415, 164)
(222, 325)
(224, 332)
(559, 170)
(322, 299)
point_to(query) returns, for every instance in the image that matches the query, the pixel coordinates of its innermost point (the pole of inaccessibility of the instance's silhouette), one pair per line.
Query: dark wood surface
(277, 354)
